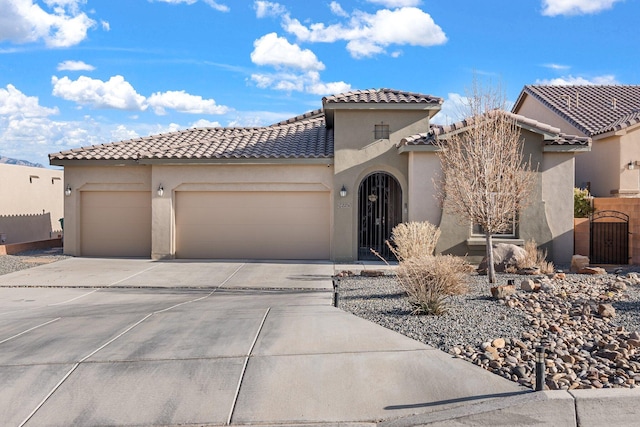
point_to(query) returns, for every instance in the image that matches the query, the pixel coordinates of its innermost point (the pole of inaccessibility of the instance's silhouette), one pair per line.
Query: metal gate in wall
(609, 241)
(379, 210)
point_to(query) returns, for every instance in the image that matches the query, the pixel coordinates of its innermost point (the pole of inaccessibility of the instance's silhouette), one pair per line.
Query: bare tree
(485, 178)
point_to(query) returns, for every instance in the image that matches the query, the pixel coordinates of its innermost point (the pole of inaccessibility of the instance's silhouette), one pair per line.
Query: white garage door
(115, 223)
(252, 225)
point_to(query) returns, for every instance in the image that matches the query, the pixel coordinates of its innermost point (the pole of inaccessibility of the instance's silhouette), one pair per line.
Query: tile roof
(592, 109)
(381, 96)
(302, 137)
(553, 136)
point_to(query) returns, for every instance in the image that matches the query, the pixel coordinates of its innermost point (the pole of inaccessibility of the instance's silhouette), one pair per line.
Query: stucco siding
(557, 194)
(358, 154)
(423, 204)
(531, 107)
(31, 203)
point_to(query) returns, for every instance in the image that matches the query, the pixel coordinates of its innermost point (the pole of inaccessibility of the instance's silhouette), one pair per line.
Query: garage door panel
(116, 223)
(255, 225)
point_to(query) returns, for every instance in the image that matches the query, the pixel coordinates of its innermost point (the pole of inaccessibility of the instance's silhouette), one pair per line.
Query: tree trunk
(491, 269)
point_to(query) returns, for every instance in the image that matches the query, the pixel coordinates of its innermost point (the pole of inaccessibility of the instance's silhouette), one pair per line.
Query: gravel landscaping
(586, 348)
(28, 259)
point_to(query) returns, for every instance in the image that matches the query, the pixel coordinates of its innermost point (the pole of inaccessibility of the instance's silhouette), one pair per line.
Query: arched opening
(379, 210)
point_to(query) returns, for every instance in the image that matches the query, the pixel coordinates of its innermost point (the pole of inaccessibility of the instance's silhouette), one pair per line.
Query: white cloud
(607, 79)
(203, 123)
(75, 66)
(105, 25)
(23, 21)
(267, 8)
(278, 52)
(575, 7)
(15, 104)
(122, 133)
(184, 103)
(368, 35)
(453, 109)
(295, 82)
(396, 3)
(558, 67)
(336, 9)
(115, 93)
(214, 4)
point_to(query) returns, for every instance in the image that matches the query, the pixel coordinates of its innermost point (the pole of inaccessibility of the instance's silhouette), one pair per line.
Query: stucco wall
(601, 167)
(531, 107)
(629, 152)
(219, 177)
(31, 203)
(423, 204)
(548, 219)
(557, 193)
(96, 178)
(358, 154)
(247, 177)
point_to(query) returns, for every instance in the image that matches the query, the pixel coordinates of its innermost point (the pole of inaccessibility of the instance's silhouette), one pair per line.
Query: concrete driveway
(92, 342)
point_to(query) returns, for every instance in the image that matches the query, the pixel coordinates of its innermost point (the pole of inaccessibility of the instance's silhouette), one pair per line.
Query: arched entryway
(379, 210)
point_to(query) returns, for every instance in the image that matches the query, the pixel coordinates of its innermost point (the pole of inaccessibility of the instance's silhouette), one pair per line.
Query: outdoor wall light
(343, 192)
(160, 190)
(631, 165)
(67, 191)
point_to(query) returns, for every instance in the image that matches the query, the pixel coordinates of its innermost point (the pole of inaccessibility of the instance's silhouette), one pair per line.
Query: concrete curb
(582, 408)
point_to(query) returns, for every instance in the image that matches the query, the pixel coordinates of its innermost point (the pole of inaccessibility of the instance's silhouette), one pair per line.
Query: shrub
(581, 203)
(535, 257)
(430, 280)
(414, 240)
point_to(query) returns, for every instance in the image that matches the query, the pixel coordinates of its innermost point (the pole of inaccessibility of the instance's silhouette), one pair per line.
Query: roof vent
(613, 103)
(568, 99)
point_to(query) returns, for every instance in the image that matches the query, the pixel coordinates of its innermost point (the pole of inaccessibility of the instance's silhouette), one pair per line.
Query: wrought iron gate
(609, 242)
(379, 210)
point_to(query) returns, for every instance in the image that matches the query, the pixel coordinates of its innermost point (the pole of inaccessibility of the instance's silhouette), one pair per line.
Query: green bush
(581, 203)
(430, 280)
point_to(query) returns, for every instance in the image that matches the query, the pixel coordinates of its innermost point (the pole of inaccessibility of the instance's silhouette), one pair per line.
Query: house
(610, 116)
(32, 204)
(328, 184)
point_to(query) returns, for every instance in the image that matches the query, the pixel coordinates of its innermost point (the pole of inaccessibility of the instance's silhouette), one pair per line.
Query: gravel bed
(29, 259)
(472, 318)
(585, 349)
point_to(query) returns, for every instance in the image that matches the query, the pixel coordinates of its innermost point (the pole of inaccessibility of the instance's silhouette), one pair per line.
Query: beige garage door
(116, 223)
(252, 225)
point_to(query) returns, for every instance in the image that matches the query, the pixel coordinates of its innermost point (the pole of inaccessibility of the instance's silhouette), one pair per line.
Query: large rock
(501, 292)
(578, 262)
(504, 255)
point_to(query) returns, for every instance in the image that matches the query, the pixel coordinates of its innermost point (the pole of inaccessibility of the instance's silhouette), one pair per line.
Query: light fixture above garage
(343, 192)
(67, 191)
(160, 190)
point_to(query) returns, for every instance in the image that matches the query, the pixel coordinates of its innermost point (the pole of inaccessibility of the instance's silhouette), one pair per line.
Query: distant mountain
(9, 161)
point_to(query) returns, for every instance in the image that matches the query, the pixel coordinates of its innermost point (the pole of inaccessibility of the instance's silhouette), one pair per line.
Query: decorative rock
(501, 292)
(559, 276)
(592, 271)
(528, 285)
(606, 310)
(618, 285)
(529, 271)
(498, 343)
(578, 262)
(372, 273)
(504, 255)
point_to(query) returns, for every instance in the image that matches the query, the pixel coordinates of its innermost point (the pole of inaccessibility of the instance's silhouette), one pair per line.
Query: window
(477, 231)
(381, 131)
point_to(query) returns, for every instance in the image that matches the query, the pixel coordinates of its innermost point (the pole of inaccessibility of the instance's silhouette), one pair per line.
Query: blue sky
(81, 72)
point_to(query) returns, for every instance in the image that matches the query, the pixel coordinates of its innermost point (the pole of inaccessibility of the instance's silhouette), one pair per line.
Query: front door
(379, 210)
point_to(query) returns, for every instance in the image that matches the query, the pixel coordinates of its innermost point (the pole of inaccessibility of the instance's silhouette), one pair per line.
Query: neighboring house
(31, 203)
(329, 184)
(610, 116)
